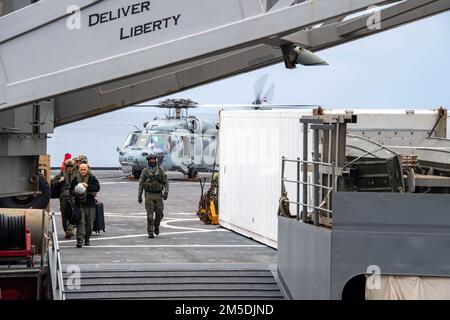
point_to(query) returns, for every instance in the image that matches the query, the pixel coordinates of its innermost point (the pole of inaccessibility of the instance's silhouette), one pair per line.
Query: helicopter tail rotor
(269, 94)
(259, 88)
(263, 95)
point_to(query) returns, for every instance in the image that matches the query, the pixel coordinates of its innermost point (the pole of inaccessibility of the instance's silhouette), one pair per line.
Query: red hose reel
(15, 240)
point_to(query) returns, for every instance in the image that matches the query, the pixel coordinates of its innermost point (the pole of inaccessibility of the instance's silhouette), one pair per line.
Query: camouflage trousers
(84, 229)
(63, 200)
(154, 205)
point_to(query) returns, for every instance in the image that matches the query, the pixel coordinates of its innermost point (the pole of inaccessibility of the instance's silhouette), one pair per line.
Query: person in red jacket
(67, 156)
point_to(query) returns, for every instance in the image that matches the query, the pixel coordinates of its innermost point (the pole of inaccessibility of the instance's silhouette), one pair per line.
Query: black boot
(156, 230)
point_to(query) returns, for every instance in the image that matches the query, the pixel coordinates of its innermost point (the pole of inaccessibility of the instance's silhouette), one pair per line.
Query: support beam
(355, 25)
(93, 101)
(252, 8)
(23, 137)
(330, 35)
(281, 4)
(42, 77)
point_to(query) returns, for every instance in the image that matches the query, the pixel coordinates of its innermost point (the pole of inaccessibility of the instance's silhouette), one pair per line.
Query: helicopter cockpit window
(131, 140)
(157, 142)
(142, 140)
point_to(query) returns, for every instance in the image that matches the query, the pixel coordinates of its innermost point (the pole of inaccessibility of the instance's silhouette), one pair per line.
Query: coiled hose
(12, 232)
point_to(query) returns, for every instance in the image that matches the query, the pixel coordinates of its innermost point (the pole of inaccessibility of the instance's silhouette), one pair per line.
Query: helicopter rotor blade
(259, 87)
(241, 105)
(283, 105)
(252, 105)
(162, 106)
(270, 92)
(147, 106)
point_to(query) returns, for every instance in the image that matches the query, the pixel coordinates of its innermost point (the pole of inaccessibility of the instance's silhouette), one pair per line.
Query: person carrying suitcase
(83, 188)
(156, 185)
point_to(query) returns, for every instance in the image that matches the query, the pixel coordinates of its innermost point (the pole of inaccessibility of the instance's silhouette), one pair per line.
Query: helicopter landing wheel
(136, 174)
(192, 173)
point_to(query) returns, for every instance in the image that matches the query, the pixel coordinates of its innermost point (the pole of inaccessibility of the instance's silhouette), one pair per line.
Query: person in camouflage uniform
(156, 185)
(82, 159)
(62, 181)
(85, 202)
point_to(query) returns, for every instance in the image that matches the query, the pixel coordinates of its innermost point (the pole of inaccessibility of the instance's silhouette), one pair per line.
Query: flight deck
(188, 258)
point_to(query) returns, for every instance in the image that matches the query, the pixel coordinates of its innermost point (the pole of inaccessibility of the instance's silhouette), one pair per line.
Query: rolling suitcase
(99, 222)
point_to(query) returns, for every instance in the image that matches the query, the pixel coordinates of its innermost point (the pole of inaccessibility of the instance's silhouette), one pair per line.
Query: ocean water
(98, 137)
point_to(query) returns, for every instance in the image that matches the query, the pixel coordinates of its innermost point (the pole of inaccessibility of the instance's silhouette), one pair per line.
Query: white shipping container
(252, 143)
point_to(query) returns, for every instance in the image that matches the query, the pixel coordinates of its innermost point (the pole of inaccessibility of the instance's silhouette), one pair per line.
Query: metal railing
(329, 133)
(317, 206)
(54, 264)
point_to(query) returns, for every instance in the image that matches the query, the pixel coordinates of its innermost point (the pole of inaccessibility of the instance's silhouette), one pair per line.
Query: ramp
(99, 56)
(175, 281)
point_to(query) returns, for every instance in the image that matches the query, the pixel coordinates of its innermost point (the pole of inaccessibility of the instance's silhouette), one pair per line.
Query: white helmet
(80, 189)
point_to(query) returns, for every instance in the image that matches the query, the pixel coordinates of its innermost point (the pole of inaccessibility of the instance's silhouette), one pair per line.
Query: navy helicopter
(181, 142)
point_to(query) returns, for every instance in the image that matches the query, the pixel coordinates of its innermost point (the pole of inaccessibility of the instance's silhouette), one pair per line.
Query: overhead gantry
(88, 57)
